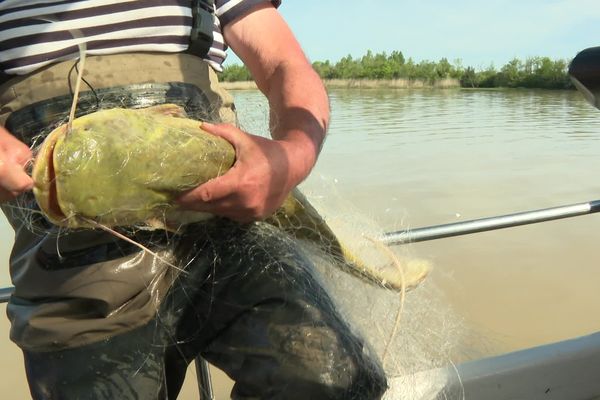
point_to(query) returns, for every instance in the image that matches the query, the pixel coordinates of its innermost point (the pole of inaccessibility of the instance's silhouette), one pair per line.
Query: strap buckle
(201, 37)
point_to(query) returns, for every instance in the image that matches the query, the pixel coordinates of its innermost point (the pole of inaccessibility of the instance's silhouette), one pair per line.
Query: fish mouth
(53, 205)
(44, 178)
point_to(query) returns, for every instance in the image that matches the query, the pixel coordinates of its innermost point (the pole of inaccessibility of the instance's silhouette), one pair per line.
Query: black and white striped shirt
(35, 33)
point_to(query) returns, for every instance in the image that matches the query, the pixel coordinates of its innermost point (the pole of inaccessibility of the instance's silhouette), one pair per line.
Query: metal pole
(487, 224)
(204, 380)
(5, 294)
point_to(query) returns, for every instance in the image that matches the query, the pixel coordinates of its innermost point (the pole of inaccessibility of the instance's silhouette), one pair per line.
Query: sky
(478, 32)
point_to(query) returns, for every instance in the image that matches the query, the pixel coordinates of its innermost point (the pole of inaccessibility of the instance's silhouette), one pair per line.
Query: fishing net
(414, 333)
(419, 336)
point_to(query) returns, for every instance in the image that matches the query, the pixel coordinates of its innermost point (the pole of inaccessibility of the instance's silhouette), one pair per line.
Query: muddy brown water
(412, 158)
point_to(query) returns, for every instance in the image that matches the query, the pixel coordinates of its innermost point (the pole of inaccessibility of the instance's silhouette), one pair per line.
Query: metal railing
(202, 369)
(5, 294)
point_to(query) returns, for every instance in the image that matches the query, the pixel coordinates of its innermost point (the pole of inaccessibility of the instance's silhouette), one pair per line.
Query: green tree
(347, 68)
(534, 72)
(487, 77)
(443, 68)
(511, 74)
(325, 69)
(396, 62)
(468, 78)
(236, 73)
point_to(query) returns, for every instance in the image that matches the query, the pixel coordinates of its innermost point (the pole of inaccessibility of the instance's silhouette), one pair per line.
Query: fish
(126, 167)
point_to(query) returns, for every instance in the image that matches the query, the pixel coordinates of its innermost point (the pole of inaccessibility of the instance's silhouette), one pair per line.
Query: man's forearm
(297, 99)
(299, 112)
(266, 170)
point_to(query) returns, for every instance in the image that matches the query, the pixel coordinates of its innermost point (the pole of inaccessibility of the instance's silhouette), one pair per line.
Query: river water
(413, 158)
(426, 157)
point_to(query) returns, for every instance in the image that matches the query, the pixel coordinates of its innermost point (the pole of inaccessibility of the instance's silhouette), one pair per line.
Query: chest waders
(98, 318)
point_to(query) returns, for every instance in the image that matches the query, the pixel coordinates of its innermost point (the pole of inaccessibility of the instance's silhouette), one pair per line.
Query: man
(98, 319)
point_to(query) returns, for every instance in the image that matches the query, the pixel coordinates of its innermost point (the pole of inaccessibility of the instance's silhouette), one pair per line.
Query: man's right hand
(14, 155)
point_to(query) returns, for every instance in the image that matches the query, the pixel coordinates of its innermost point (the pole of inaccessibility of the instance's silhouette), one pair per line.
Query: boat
(568, 369)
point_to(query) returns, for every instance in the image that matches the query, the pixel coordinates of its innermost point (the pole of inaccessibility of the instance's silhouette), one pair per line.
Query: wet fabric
(248, 303)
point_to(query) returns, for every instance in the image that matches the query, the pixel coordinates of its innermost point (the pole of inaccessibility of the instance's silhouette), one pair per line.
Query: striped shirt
(35, 33)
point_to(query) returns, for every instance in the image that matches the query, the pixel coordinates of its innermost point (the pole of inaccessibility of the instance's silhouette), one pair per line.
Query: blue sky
(478, 32)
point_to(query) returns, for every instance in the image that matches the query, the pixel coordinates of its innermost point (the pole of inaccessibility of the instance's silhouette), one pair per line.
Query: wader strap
(146, 71)
(35, 120)
(201, 37)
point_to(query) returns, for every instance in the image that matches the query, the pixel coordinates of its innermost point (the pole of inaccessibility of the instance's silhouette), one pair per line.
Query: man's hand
(263, 174)
(14, 155)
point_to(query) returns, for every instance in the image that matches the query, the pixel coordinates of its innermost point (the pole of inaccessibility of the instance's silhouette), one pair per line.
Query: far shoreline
(388, 84)
(363, 84)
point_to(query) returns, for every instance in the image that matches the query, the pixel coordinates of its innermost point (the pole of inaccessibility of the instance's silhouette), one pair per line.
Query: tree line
(533, 72)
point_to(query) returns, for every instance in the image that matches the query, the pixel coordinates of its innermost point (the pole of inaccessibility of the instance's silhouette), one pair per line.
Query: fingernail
(205, 195)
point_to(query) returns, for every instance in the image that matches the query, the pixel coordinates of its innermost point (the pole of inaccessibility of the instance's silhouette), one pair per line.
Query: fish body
(123, 167)
(126, 167)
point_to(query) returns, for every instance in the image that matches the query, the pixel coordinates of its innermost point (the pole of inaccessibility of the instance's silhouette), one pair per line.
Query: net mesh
(417, 336)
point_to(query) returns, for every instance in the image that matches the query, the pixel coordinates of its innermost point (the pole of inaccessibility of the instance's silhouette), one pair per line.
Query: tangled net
(414, 335)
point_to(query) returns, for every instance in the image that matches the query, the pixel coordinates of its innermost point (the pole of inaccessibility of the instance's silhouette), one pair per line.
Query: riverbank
(364, 84)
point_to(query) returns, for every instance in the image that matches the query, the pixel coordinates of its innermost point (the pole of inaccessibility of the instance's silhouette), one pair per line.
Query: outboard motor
(585, 74)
